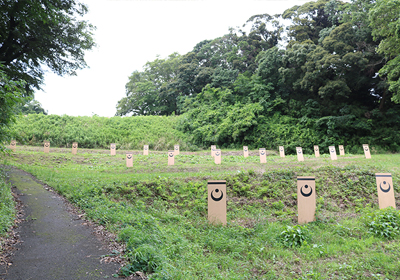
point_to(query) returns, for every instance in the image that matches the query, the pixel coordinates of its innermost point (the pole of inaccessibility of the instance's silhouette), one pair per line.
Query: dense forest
(325, 73)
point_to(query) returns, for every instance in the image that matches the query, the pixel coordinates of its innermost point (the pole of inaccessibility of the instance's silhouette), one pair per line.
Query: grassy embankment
(160, 212)
(99, 132)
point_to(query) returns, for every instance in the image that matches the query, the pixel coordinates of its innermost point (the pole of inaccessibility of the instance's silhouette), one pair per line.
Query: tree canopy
(36, 35)
(43, 33)
(330, 75)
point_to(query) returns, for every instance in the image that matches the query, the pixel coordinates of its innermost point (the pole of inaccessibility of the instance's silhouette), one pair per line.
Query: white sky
(130, 33)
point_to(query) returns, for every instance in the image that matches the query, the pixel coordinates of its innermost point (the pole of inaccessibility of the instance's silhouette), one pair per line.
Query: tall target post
(306, 199)
(217, 202)
(384, 186)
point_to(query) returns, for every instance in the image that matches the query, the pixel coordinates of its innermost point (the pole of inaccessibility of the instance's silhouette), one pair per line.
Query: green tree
(11, 95)
(37, 33)
(385, 22)
(31, 106)
(215, 117)
(311, 18)
(152, 92)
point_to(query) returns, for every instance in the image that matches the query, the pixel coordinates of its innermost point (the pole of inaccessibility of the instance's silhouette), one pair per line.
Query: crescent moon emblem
(316, 149)
(305, 194)
(129, 157)
(219, 198)
(299, 152)
(217, 154)
(384, 190)
(171, 155)
(332, 151)
(366, 149)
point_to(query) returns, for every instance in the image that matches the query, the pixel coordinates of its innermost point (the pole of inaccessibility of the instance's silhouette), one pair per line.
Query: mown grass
(160, 212)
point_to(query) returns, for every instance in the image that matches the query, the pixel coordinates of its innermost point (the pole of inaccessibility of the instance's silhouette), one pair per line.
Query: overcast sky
(130, 33)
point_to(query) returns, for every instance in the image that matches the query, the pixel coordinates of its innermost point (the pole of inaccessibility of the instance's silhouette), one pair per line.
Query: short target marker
(332, 152)
(263, 155)
(367, 152)
(113, 149)
(245, 151)
(213, 148)
(129, 159)
(171, 157)
(281, 151)
(217, 156)
(341, 150)
(46, 148)
(13, 145)
(299, 152)
(74, 148)
(316, 150)
(146, 150)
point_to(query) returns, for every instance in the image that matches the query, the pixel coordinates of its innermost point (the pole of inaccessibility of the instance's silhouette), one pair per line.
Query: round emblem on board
(217, 198)
(384, 184)
(305, 194)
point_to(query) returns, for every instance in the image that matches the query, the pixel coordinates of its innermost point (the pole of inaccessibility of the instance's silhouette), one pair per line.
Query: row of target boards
(215, 153)
(306, 198)
(306, 189)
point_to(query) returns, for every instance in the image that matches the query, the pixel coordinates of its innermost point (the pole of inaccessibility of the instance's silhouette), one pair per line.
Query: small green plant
(384, 223)
(294, 236)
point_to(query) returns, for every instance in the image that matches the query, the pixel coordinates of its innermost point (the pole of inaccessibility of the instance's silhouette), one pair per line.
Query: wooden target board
(316, 150)
(176, 150)
(263, 155)
(341, 150)
(217, 156)
(366, 151)
(74, 148)
(281, 151)
(306, 199)
(213, 148)
(245, 151)
(129, 159)
(13, 145)
(113, 149)
(384, 186)
(171, 157)
(146, 150)
(332, 152)
(217, 202)
(46, 147)
(300, 156)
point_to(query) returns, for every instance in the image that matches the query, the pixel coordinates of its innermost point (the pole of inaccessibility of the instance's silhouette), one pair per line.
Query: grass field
(160, 212)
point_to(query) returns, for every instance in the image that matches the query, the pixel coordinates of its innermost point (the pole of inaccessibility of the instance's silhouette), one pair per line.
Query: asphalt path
(55, 243)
